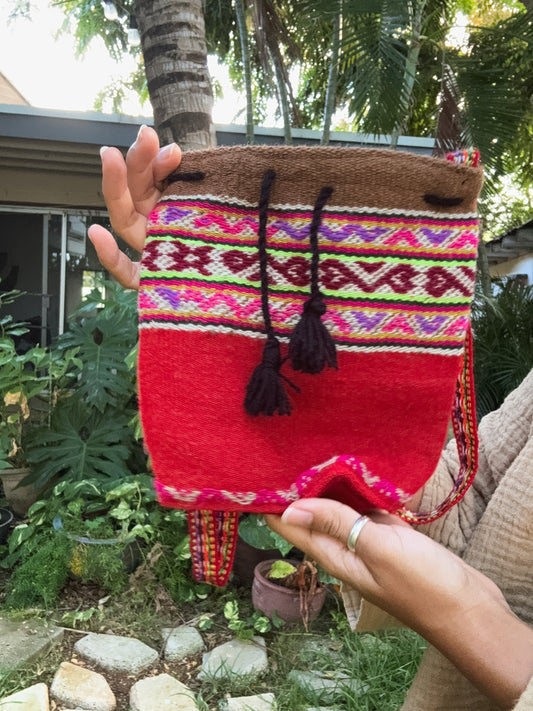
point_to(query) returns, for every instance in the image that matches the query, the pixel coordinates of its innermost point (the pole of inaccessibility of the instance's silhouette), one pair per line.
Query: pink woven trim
(367, 214)
(275, 500)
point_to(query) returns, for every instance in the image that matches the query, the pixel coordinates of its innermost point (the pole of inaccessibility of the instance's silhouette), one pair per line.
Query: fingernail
(297, 517)
(103, 149)
(141, 129)
(167, 150)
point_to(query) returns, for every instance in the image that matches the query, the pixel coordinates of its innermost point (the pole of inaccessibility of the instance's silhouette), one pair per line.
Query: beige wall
(521, 265)
(50, 173)
(9, 94)
(26, 187)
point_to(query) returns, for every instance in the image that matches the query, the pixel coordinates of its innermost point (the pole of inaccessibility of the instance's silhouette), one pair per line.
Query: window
(47, 255)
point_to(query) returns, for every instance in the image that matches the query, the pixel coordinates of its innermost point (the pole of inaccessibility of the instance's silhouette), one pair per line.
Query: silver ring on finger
(353, 536)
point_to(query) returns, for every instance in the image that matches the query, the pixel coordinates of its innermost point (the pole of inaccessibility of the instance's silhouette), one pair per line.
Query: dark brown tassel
(311, 347)
(265, 394)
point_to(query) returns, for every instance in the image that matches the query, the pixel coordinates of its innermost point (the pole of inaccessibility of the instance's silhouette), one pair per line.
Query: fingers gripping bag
(305, 331)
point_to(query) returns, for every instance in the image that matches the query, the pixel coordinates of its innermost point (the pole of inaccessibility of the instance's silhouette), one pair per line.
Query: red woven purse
(304, 331)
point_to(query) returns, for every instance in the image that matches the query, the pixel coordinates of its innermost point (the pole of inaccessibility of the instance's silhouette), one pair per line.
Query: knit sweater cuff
(526, 700)
(362, 615)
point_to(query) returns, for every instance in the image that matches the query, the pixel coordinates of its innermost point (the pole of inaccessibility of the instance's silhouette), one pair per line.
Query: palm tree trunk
(411, 64)
(483, 267)
(175, 57)
(282, 91)
(247, 68)
(333, 76)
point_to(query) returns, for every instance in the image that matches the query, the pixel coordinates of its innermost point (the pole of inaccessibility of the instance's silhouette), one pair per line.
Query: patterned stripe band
(391, 280)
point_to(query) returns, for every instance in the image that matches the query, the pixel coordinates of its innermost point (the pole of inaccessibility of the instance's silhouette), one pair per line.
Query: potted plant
(290, 589)
(25, 378)
(256, 542)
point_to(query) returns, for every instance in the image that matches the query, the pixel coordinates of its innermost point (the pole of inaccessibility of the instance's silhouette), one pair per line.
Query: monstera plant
(89, 434)
(29, 381)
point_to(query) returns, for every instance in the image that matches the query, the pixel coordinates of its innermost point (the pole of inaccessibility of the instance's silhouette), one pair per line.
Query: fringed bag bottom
(213, 537)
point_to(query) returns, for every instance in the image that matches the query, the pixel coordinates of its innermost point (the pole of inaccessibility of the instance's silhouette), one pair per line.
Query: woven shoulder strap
(213, 536)
(465, 431)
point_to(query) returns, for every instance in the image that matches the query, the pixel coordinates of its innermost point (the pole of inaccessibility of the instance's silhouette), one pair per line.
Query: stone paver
(161, 693)
(181, 642)
(76, 686)
(260, 702)
(34, 698)
(116, 653)
(326, 687)
(22, 642)
(236, 658)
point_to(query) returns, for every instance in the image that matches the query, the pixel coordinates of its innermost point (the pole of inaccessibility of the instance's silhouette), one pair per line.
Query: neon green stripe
(340, 295)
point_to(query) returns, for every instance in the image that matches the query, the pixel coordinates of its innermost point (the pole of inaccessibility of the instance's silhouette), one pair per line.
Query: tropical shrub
(25, 376)
(503, 341)
(91, 433)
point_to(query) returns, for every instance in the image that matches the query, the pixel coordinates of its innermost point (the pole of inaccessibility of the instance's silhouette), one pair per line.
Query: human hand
(131, 188)
(395, 567)
(455, 607)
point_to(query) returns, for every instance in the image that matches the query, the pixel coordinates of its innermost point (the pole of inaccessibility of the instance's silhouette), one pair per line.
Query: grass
(40, 670)
(384, 663)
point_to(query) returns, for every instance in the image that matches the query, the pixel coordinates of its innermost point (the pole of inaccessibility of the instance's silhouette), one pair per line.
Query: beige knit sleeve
(526, 700)
(502, 436)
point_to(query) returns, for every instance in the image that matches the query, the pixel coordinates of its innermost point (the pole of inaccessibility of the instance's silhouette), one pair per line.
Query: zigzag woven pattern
(391, 279)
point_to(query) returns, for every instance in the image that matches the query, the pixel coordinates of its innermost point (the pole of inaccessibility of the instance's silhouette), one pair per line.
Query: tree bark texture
(333, 77)
(175, 58)
(411, 64)
(240, 13)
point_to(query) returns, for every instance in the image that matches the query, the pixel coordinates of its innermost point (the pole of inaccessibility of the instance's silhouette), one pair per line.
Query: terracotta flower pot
(20, 498)
(270, 597)
(246, 559)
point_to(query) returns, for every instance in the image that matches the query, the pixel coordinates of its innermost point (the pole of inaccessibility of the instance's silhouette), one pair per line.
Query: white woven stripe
(229, 200)
(350, 348)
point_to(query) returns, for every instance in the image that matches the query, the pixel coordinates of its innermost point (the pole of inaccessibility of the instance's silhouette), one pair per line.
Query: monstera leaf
(80, 444)
(105, 378)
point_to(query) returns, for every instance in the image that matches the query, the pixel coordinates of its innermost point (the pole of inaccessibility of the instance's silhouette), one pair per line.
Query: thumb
(319, 516)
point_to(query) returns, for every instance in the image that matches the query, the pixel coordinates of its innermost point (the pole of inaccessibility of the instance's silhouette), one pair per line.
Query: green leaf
(254, 531)
(231, 610)
(237, 625)
(20, 534)
(276, 620)
(205, 622)
(262, 624)
(283, 546)
(182, 551)
(121, 512)
(72, 618)
(81, 443)
(281, 569)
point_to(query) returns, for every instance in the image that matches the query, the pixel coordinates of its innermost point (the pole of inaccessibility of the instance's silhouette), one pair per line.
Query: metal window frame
(47, 212)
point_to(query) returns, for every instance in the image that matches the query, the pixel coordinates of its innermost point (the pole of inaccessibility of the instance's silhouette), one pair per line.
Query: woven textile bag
(304, 331)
